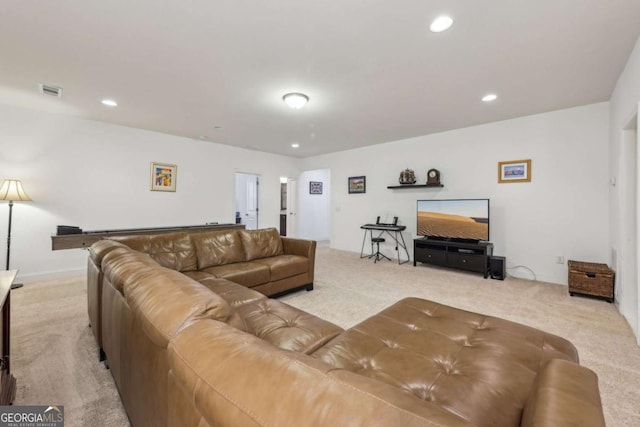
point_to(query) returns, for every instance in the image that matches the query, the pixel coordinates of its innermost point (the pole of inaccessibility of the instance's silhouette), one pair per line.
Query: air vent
(50, 90)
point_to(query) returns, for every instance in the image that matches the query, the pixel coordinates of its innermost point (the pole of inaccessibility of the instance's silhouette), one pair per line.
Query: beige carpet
(55, 359)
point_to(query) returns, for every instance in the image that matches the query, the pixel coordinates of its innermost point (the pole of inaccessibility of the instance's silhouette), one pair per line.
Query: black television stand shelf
(464, 256)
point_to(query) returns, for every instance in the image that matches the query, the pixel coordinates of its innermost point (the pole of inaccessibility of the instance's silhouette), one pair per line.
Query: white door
(292, 207)
(247, 199)
(252, 203)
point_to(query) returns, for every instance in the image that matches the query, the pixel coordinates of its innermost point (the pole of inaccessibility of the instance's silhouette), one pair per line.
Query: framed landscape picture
(514, 171)
(163, 177)
(315, 187)
(357, 184)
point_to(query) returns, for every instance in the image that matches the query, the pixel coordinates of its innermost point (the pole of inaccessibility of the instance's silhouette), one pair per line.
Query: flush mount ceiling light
(440, 24)
(109, 102)
(295, 145)
(489, 97)
(295, 100)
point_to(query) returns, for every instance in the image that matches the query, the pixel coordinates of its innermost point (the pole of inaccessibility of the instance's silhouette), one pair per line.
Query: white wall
(314, 209)
(563, 211)
(96, 176)
(624, 107)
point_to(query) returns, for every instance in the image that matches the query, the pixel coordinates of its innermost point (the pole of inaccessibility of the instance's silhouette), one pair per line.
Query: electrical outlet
(559, 259)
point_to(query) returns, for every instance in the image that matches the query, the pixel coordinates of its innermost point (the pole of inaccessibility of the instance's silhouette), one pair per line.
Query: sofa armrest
(305, 248)
(564, 393)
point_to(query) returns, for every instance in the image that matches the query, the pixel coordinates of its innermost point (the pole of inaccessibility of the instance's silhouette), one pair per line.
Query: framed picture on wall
(315, 187)
(163, 176)
(357, 184)
(514, 171)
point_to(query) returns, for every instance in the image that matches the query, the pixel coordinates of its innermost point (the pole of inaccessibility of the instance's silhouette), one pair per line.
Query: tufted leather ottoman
(477, 367)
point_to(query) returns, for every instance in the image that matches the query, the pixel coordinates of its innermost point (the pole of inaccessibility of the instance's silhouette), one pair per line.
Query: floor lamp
(11, 190)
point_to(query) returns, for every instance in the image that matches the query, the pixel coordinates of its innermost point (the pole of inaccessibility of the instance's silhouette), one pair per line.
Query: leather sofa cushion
(171, 250)
(218, 248)
(283, 266)
(284, 326)
(234, 379)
(261, 243)
(248, 274)
(231, 292)
(472, 365)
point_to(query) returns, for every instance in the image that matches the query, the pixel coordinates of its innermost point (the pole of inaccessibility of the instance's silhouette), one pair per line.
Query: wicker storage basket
(590, 278)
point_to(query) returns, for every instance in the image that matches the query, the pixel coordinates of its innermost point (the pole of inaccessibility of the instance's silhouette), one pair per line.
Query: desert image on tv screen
(460, 219)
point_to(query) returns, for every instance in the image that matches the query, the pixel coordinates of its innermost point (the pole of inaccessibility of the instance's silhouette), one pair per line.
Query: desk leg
(404, 245)
(364, 239)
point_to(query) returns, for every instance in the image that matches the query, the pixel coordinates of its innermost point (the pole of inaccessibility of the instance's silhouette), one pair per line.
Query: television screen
(461, 219)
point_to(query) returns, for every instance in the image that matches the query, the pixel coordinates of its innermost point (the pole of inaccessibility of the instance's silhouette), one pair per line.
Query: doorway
(247, 200)
(627, 275)
(291, 207)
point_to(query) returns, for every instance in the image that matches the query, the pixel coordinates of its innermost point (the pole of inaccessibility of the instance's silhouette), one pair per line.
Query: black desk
(394, 231)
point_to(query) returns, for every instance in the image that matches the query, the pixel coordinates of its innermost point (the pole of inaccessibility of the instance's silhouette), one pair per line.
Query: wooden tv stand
(464, 256)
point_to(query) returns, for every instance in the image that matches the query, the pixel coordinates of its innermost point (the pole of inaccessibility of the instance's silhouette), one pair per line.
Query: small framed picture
(163, 177)
(315, 187)
(357, 184)
(514, 171)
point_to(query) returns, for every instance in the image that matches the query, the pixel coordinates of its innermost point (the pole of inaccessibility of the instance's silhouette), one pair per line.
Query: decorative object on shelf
(12, 191)
(433, 177)
(400, 187)
(163, 177)
(315, 187)
(407, 176)
(514, 171)
(357, 184)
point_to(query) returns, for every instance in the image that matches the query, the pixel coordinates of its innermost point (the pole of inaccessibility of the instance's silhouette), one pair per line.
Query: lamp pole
(9, 233)
(11, 190)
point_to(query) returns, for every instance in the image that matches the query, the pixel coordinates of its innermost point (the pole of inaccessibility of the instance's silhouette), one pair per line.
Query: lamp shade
(12, 190)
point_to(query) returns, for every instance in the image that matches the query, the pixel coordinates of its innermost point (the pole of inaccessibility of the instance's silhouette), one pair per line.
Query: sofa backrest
(165, 300)
(218, 248)
(99, 249)
(123, 264)
(261, 243)
(170, 250)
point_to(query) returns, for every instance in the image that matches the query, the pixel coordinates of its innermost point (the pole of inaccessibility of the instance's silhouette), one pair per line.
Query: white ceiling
(372, 69)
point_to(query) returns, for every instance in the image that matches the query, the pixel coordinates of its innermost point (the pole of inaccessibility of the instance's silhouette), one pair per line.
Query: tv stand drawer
(430, 256)
(467, 262)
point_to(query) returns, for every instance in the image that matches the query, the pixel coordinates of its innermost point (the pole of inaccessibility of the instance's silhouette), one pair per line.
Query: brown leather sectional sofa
(258, 259)
(212, 352)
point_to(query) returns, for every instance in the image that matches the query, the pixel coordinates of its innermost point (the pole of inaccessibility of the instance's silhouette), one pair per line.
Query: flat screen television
(459, 219)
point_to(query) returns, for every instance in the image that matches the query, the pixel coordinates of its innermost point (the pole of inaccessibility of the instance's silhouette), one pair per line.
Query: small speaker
(498, 267)
(68, 229)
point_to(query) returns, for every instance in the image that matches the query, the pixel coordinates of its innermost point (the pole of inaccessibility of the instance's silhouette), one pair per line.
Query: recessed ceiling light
(295, 100)
(441, 23)
(109, 103)
(489, 97)
(295, 145)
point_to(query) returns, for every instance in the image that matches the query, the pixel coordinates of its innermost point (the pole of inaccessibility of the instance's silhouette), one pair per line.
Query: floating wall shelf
(394, 187)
